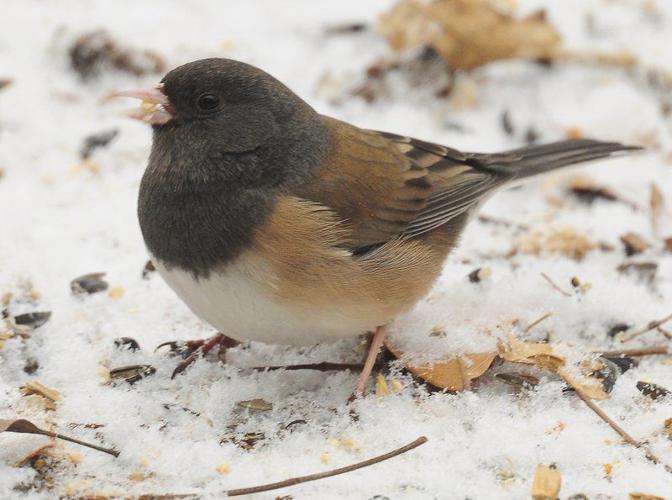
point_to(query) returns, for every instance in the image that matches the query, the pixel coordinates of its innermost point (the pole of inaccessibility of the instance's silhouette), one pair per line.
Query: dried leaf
(23, 426)
(34, 454)
(455, 374)
(256, 404)
(643, 496)
(36, 387)
(633, 243)
(467, 33)
(569, 242)
(547, 482)
(644, 271)
(95, 51)
(517, 351)
(591, 388)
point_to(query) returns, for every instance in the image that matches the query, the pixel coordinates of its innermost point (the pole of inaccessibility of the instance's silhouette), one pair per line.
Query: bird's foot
(191, 350)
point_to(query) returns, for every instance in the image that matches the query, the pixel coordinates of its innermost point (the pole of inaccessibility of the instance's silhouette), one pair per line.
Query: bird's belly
(243, 307)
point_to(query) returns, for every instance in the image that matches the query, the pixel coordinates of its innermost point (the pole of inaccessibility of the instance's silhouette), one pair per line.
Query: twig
(619, 430)
(489, 219)
(334, 472)
(109, 451)
(537, 321)
(322, 367)
(651, 326)
(666, 333)
(554, 285)
(645, 351)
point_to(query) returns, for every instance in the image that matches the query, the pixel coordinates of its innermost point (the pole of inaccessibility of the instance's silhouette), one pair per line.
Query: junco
(276, 224)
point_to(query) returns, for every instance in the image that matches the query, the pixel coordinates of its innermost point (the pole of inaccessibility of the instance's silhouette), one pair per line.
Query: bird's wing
(384, 185)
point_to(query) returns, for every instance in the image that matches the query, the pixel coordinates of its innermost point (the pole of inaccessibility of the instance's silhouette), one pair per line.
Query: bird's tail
(533, 160)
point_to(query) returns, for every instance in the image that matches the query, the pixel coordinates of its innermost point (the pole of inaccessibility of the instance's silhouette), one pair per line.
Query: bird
(277, 224)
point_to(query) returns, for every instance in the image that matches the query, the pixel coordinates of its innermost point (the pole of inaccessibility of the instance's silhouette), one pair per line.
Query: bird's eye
(207, 102)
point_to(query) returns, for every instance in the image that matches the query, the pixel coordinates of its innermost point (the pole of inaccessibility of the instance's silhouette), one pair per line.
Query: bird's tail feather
(533, 160)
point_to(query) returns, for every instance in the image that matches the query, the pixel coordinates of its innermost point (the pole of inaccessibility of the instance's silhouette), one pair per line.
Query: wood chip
(36, 387)
(547, 482)
(656, 205)
(381, 386)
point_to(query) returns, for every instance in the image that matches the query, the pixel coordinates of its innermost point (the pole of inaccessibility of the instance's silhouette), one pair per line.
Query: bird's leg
(198, 348)
(369, 362)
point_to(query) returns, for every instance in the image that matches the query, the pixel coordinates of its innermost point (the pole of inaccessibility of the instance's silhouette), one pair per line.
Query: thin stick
(646, 351)
(554, 285)
(651, 326)
(619, 430)
(490, 219)
(321, 367)
(109, 451)
(334, 472)
(667, 334)
(537, 321)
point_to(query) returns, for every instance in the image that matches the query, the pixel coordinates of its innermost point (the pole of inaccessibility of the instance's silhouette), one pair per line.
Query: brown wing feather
(385, 185)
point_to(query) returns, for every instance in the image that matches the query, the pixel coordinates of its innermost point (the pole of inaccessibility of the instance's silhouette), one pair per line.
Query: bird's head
(216, 111)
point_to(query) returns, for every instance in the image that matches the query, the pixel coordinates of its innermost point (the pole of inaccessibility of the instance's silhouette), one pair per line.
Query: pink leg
(374, 349)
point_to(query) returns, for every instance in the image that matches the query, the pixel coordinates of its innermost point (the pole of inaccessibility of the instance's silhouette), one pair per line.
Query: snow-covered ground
(61, 218)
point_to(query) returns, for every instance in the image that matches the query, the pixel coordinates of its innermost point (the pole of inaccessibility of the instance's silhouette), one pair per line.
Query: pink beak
(155, 108)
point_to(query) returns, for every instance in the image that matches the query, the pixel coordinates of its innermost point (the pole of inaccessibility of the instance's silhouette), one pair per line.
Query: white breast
(240, 302)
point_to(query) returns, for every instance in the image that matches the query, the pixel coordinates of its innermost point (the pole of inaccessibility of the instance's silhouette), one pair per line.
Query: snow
(60, 220)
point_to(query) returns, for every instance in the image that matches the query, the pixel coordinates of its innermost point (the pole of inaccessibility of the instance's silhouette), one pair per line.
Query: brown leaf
(467, 33)
(633, 243)
(547, 482)
(567, 241)
(643, 496)
(455, 374)
(34, 454)
(517, 351)
(591, 387)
